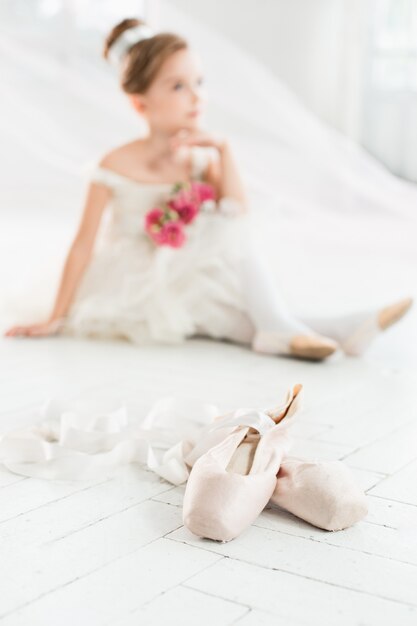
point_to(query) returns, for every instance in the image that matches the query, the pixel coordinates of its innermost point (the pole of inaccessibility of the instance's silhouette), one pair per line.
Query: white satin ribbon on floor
(74, 444)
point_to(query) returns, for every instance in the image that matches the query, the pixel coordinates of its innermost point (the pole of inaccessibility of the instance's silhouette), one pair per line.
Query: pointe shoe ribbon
(216, 432)
(220, 501)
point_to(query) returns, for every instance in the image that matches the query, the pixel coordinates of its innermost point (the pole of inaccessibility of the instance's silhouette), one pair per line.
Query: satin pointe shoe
(362, 337)
(393, 313)
(231, 483)
(323, 494)
(310, 347)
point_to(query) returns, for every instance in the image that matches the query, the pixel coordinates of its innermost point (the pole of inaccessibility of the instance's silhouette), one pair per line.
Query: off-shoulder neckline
(141, 183)
(133, 181)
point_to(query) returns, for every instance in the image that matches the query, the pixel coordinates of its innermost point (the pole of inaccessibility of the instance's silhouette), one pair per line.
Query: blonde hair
(145, 58)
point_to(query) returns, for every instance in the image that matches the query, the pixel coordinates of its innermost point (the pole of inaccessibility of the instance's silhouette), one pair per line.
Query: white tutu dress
(136, 290)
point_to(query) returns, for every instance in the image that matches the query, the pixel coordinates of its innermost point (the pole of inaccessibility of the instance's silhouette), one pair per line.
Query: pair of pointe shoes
(248, 467)
(316, 347)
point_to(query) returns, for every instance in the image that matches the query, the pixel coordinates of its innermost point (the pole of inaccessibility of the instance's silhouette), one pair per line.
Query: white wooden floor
(114, 551)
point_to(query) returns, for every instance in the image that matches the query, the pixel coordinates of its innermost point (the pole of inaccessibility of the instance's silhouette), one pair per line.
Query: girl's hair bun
(116, 31)
(145, 58)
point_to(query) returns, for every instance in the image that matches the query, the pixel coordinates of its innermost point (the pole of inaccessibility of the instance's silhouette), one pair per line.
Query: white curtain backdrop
(389, 115)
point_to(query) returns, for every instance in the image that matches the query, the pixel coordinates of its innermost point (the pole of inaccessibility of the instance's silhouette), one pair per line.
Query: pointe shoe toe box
(310, 347)
(315, 348)
(346, 512)
(393, 313)
(323, 494)
(220, 505)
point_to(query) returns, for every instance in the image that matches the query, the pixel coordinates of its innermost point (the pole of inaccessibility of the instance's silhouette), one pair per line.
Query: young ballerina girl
(120, 282)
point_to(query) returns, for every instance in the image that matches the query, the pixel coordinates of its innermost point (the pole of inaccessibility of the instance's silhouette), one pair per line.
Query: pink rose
(166, 225)
(179, 199)
(188, 213)
(172, 234)
(185, 204)
(154, 220)
(202, 191)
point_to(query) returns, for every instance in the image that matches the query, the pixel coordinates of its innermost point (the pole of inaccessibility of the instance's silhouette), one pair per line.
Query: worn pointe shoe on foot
(231, 483)
(311, 347)
(323, 494)
(371, 326)
(393, 313)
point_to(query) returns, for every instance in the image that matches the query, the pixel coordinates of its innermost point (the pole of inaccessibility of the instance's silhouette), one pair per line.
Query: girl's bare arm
(224, 176)
(75, 264)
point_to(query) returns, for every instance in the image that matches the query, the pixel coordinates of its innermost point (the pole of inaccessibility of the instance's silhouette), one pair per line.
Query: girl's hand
(197, 137)
(43, 329)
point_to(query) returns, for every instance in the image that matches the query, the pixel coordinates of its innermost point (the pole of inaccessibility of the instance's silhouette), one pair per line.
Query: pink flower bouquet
(166, 225)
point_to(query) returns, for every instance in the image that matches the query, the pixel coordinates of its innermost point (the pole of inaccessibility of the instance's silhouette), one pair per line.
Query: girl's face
(174, 101)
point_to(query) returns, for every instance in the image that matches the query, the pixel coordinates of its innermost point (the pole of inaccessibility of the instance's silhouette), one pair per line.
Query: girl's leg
(265, 304)
(277, 330)
(355, 332)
